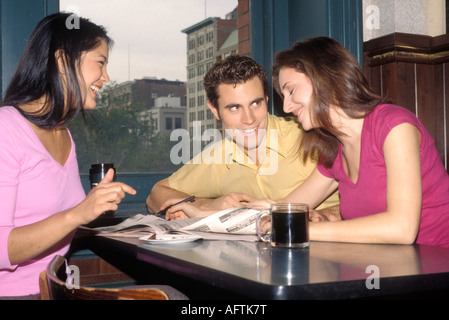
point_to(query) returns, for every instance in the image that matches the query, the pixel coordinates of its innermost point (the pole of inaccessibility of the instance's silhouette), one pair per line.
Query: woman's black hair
(38, 76)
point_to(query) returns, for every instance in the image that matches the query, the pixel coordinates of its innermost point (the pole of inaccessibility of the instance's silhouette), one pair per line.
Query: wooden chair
(53, 288)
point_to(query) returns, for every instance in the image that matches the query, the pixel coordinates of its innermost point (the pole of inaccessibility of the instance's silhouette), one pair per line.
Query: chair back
(54, 288)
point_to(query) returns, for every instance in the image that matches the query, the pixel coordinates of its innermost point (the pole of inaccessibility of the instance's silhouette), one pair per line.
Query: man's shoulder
(285, 123)
(288, 128)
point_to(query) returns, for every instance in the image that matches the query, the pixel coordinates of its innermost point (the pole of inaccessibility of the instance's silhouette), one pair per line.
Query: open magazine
(233, 223)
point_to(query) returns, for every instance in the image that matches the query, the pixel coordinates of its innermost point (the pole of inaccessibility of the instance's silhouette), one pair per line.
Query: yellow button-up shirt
(224, 167)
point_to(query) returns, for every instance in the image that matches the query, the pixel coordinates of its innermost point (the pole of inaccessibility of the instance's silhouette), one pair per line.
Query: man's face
(243, 109)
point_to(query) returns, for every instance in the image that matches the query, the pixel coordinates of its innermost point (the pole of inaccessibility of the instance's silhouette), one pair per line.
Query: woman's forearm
(378, 228)
(30, 241)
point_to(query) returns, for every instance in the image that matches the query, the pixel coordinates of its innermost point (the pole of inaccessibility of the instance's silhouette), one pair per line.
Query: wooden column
(413, 71)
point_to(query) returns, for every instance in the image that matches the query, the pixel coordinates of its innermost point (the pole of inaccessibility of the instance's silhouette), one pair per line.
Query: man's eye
(257, 103)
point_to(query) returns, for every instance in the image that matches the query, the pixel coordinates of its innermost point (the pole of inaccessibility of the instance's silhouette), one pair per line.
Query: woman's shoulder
(11, 120)
(9, 113)
(390, 111)
(386, 117)
(390, 115)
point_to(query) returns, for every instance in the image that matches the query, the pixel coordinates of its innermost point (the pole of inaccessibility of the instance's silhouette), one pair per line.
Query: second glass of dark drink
(96, 174)
(98, 171)
(290, 225)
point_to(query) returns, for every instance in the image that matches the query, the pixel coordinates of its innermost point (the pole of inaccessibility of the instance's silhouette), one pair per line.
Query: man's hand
(202, 207)
(231, 200)
(185, 211)
(328, 214)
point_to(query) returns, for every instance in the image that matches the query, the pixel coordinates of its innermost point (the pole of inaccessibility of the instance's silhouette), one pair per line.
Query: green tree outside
(114, 133)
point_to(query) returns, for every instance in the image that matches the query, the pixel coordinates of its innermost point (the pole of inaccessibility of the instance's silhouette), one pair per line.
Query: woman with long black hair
(42, 199)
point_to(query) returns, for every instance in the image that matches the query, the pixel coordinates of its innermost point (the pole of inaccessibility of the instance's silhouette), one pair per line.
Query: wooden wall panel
(440, 107)
(388, 84)
(412, 71)
(406, 92)
(425, 97)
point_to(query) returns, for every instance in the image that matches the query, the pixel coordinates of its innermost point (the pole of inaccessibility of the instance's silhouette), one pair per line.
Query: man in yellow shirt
(258, 158)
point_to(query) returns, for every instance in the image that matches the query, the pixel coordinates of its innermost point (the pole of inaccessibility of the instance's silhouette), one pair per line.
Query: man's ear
(214, 110)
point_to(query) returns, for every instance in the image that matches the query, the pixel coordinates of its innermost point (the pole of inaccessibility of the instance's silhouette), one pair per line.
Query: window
(201, 115)
(200, 70)
(191, 58)
(200, 85)
(152, 77)
(209, 36)
(192, 88)
(178, 123)
(200, 56)
(192, 73)
(192, 103)
(210, 115)
(200, 40)
(191, 45)
(168, 123)
(201, 102)
(210, 53)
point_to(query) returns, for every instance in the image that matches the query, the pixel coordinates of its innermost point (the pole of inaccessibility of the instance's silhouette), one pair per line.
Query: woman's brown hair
(337, 79)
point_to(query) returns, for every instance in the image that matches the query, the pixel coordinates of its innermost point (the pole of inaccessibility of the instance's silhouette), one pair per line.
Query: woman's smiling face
(297, 91)
(93, 69)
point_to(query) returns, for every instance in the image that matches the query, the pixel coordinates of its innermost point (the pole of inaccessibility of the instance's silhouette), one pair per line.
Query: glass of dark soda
(289, 225)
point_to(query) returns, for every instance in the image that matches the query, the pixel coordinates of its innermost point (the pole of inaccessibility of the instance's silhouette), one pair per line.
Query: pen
(165, 210)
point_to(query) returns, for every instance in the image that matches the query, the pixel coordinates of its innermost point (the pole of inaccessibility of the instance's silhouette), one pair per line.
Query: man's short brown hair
(235, 70)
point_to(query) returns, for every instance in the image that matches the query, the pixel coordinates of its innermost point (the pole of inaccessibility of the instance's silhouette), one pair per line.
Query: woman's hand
(28, 242)
(106, 196)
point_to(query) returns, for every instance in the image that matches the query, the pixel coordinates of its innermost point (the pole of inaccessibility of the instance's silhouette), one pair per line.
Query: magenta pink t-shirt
(33, 186)
(368, 195)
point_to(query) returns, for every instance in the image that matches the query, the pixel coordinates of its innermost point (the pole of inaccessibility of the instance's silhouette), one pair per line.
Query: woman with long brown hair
(393, 185)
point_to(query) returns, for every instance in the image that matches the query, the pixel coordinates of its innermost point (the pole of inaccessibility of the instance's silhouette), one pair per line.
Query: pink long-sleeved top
(33, 187)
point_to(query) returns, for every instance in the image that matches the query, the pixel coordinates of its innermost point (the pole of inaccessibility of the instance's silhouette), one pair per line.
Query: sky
(147, 33)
